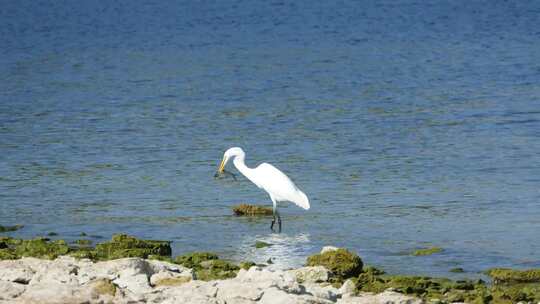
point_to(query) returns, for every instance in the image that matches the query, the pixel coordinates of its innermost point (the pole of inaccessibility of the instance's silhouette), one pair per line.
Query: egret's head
(230, 153)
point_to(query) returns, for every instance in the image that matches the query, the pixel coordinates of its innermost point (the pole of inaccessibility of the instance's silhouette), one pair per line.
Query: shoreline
(128, 269)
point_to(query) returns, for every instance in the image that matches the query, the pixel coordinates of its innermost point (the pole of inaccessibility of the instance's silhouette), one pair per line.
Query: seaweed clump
(251, 210)
(120, 246)
(125, 246)
(261, 244)
(342, 263)
(10, 228)
(506, 275)
(511, 285)
(39, 248)
(427, 251)
(207, 266)
(444, 290)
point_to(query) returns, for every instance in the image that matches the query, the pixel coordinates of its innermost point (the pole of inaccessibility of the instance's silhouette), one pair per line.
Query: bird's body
(269, 178)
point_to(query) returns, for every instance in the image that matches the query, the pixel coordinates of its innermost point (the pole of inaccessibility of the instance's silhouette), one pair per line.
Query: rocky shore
(129, 270)
(136, 280)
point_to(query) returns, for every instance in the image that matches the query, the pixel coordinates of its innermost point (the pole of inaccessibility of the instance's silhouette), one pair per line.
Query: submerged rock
(10, 228)
(427, 251)
(261, 244)
(341, 263)
(251, 210)
(457, 270)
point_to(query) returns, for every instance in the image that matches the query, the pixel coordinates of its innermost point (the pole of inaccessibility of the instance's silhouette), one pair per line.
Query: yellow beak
(221, 166)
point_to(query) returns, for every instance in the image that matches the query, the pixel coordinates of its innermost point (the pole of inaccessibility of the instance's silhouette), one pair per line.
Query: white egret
(278, 185)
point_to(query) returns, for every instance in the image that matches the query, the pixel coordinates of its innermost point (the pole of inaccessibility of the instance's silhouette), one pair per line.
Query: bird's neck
(241, 166)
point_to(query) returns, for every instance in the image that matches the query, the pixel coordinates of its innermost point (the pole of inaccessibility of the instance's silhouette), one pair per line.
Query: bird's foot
(272, 225)
(279, 225)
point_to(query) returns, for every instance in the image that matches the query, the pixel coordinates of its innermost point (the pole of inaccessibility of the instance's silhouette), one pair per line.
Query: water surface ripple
(408, 123)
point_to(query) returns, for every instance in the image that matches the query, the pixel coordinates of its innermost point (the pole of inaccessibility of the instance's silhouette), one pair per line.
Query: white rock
(230, 290)
(180, 277)
(10, 290)
(328, 248)
(324, 292)
(63, 270)
(387, 297)
(129, 273)
(274, 295)
(15, 271)
(54, 292)
(348, 287)
(310, 274)
(160, 266)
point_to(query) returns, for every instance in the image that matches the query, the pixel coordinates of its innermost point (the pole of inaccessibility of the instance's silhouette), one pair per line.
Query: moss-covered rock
(120, 246)
(10, 228)
(173, 281)
(124, 246)
(505, 275)
(216, 270)
(251, 210)
(207, 266)
(247, 265)
(104, 287)
(513, 293)
(261, 244)
(41, 248)
(83, 242)
(7, 254)
(456, 270)
(342, 263)
(194, 259)
(427, 251)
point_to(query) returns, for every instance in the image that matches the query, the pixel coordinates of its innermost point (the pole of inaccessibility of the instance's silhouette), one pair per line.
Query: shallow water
(408, 124)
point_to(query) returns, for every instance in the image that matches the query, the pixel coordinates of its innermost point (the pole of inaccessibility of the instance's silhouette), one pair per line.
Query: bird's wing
(280, 186)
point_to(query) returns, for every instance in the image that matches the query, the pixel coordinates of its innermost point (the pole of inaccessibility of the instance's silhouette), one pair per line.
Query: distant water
(408, 124)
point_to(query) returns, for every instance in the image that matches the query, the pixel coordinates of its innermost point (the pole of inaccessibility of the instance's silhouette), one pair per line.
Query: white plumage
(278, 185)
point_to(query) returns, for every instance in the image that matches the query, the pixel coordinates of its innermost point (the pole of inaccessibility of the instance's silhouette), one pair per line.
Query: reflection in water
(286, 251)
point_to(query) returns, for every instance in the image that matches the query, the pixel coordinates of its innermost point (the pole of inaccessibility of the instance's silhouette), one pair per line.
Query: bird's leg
(273, 221)
(274, 216)
(279, 221)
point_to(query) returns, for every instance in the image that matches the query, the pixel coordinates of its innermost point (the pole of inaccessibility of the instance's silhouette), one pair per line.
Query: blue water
(408, 124)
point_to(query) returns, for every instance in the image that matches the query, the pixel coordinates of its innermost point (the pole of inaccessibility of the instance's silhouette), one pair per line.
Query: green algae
(216, 270)
(104, 287)
(10, 228)
(194, 259)
(246, 265)
(172, 281)
(39, 248)
(442, 290)
(427, 251)
(342, 263)
(83, 242)
(261, 244)
(124, 246)
(506, 275)
(207, 266)
(457, 270)
(251, 210)
(120, 246)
